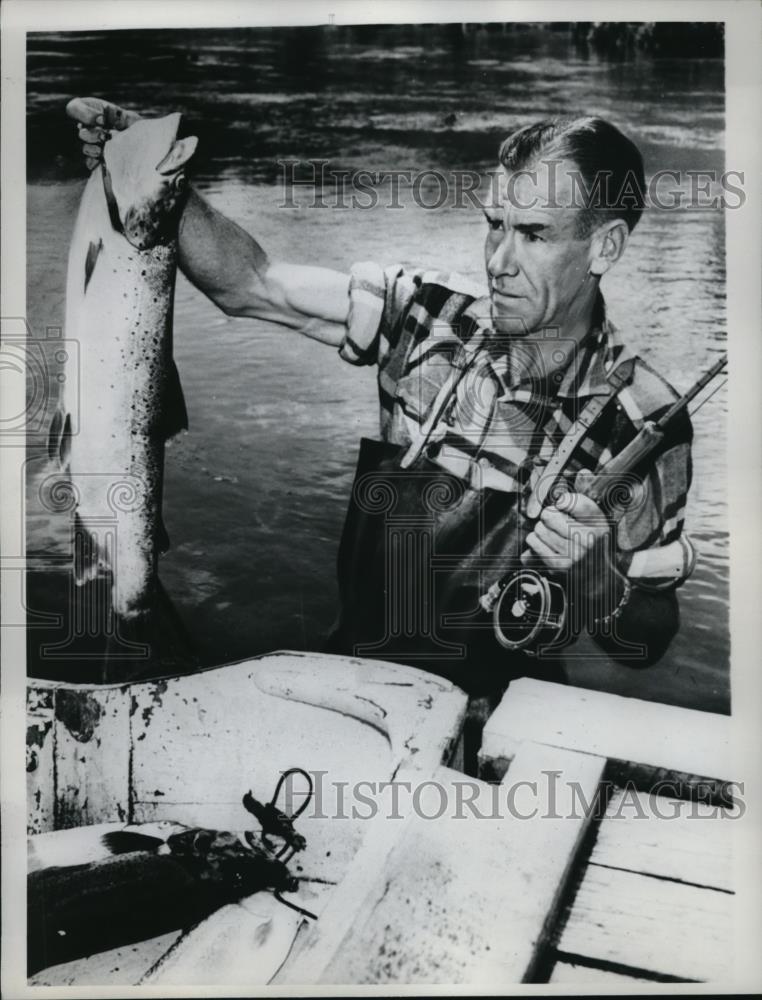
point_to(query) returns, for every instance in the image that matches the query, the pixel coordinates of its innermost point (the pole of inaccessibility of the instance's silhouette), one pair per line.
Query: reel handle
(529, 610)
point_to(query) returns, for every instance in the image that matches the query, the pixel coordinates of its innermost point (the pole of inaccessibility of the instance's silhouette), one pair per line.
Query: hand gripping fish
(118, 410)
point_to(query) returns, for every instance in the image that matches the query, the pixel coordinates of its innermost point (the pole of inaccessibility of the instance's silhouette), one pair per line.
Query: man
(488, 403)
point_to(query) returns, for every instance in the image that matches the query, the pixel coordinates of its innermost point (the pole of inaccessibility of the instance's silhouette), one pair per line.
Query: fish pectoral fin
(174, 410)
(92, 255)
(59, 437)
(65, 445)
(182, 150)
(54, 434)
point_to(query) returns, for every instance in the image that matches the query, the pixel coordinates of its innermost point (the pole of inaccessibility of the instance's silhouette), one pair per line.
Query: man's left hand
(572, 534)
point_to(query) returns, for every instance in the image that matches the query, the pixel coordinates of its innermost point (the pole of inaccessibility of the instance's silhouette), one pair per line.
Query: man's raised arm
(225, 261)
(229, 266)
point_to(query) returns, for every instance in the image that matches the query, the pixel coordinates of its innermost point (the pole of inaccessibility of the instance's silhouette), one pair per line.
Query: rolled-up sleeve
(378, 298)
(651, 533)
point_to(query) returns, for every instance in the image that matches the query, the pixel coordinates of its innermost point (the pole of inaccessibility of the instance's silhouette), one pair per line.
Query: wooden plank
(40, 773)
(321, 940)
(624, 729)
(241, 945)
(583, 975)
(651, 924)
(91, 756)
(116, 967)
(672, 838)
(463, 898)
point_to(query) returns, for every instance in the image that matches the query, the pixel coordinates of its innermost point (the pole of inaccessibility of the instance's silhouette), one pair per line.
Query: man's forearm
(221, 259)
(229, 266)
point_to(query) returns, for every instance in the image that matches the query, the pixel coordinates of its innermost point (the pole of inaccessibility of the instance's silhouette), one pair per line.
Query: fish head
(221, 857)
(144, 179)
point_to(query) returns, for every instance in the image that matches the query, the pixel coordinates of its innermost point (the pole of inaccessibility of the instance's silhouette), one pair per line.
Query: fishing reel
(529, 610)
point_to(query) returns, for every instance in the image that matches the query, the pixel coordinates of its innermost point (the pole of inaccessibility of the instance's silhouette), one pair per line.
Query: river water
(257, 488)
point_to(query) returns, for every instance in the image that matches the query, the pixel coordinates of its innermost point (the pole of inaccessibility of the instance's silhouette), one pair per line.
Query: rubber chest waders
(419, 548)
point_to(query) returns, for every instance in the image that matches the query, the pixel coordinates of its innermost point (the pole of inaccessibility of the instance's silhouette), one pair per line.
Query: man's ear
(608, 246)
(178, 155)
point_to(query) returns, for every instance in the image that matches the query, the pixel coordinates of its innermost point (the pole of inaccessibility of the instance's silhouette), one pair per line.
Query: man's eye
(494, 224)
(533, 238)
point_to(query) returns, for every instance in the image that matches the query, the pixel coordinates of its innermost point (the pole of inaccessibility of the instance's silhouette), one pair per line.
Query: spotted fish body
(118, 409)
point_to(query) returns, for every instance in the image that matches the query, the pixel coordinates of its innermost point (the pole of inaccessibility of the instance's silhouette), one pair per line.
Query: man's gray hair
(611, 182)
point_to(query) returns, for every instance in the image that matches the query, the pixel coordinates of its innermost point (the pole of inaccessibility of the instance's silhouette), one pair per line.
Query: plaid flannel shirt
(508, 415)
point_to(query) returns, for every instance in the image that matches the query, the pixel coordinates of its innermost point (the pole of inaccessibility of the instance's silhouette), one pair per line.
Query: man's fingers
(114, 116)
(87, 110)
(91, 150)
(93, 111)
(555, 521)
(97, 135)
(578, 506)
(548, 556)
(91, 163)
(557, 540)
(118, 118)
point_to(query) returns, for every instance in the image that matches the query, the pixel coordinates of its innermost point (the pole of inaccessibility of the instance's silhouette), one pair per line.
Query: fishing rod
(530, 610)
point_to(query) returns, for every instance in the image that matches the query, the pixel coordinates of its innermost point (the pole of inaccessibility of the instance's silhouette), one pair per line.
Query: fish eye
(179, 182)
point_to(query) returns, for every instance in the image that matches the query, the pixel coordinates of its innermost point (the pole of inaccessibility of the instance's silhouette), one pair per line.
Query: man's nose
(503, 260)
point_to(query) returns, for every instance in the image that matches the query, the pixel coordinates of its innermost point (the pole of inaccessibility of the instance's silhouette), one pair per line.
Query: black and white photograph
(380, 449)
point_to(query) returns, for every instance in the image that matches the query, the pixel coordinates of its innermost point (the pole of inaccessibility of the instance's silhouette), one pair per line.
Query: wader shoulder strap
(460, 366)
(617, 378)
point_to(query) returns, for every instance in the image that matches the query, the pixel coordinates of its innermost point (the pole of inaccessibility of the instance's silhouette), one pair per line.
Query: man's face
(537, 267)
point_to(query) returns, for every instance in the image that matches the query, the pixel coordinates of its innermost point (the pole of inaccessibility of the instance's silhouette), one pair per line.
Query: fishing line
(293, 906)
(308, 796)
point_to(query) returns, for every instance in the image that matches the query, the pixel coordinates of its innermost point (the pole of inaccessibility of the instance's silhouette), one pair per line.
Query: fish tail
(126, 841)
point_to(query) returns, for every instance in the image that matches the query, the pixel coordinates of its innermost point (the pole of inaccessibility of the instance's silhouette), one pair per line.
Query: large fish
(128, 885)
(118, 409)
